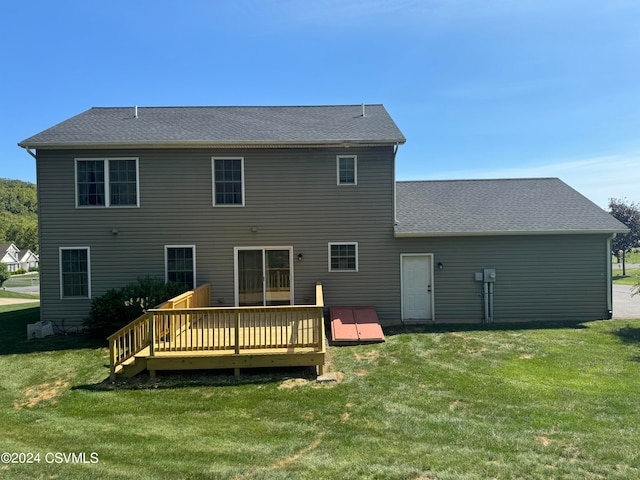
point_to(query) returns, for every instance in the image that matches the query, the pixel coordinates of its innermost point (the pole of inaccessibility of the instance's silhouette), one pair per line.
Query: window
(228, 181)
(343, 257)
(347, 170)
(180, 262)
(75, 272)
(107, 182)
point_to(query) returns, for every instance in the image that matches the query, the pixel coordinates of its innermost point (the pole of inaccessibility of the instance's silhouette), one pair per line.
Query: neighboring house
(263, 202)
(28, 260)
(9, 255)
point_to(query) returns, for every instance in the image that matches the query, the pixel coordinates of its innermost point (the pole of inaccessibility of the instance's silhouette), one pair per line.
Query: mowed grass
(632, 276)
(24, 280)
(534, 403)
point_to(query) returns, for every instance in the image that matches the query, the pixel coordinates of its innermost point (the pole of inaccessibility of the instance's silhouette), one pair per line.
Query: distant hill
(19, 213)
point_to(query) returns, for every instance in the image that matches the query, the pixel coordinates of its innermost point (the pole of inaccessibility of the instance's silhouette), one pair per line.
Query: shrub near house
(120, 306)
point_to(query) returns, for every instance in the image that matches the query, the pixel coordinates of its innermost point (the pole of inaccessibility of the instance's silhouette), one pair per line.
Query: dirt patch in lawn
(42, 393)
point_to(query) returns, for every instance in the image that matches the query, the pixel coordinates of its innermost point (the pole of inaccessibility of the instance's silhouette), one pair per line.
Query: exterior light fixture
(440, 266)
(300, 257)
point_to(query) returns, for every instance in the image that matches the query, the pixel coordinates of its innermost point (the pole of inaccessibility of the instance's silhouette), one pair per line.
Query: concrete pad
(624, 304)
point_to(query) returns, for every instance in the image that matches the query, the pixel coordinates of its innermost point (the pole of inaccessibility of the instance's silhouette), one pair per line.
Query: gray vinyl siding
(538, 277)
(291, 197)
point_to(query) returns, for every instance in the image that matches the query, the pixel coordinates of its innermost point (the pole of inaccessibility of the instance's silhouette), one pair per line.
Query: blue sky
(481, 89)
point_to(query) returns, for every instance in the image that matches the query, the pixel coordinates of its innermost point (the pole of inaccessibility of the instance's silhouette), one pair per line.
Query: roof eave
(205, 144)
(506, 233)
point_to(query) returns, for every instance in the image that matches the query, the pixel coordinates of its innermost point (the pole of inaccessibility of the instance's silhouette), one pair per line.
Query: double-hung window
(228, 181)
(347, 166)
(343, 257)
(75, 272)
(180, 264)
(107, 182)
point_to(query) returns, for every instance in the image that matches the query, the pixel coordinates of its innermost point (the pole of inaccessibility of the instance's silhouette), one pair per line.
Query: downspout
(609, 278)
(395, 216)
(29, 152)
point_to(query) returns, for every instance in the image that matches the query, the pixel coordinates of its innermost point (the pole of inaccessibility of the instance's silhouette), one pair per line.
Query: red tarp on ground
(355, 325)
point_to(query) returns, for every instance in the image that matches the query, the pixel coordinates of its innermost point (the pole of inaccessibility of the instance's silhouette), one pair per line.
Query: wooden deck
(185, 334)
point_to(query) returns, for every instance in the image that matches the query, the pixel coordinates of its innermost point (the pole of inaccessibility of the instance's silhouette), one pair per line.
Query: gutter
(503, 233)
(203, 144)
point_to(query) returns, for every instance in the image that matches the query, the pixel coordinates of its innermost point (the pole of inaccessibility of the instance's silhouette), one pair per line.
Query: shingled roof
(497, 207)
(202, 126)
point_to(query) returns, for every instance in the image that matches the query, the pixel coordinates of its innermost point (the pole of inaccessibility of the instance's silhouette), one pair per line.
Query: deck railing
(234, 329)
(135, 337)
(186, 324)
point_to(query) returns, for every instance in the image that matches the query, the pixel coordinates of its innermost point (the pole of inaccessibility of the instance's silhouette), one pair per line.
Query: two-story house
(10, 256)
(263, 202)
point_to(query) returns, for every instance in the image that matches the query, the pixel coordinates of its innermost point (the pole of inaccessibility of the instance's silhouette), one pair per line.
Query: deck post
(112, 360)
(152, 333)
(237, 332)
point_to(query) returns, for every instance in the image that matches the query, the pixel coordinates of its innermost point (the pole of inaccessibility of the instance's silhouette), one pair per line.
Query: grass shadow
(479, 327)
(167, 380)
(14, 334)
(629, 335)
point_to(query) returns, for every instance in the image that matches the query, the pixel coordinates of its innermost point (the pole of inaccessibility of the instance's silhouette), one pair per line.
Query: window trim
(355, 170)
(107, 182)
(340, 270)
(166, 262)
(62, 296)
(213, 181)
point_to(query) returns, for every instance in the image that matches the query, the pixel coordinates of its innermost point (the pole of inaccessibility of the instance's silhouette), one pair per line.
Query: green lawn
(539, 403)
(631, 278)
(25, 280)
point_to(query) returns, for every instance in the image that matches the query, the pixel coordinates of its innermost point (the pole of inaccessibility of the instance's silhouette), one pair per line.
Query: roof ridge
(238, 106)
(478, 180)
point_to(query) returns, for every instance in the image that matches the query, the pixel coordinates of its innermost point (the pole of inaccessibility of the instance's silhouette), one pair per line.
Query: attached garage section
(538, 277)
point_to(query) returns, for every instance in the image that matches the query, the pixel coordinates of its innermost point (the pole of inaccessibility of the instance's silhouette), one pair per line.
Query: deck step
(355, 325)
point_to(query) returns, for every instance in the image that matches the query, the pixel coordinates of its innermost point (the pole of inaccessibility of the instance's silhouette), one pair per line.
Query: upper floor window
(228, 181)
(347, 170)
(75, 272)
(343, 257)
(180, 263)
(109, 182)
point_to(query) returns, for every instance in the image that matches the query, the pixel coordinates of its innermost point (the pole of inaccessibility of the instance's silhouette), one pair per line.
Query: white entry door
(417, 287)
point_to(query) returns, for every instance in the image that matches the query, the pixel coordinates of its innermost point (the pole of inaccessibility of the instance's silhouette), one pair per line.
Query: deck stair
(185, 333)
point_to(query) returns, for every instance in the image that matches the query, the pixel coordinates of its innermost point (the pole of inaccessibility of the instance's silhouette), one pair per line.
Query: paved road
(625, 305)
(15, 301)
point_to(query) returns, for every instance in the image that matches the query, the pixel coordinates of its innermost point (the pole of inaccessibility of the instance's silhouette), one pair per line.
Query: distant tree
(4, 273)
(19, 214)
(629, 214)
(24, 233)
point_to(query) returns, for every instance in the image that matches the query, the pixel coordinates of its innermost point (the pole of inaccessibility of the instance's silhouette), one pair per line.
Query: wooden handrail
(136, 336)
(186, 323)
